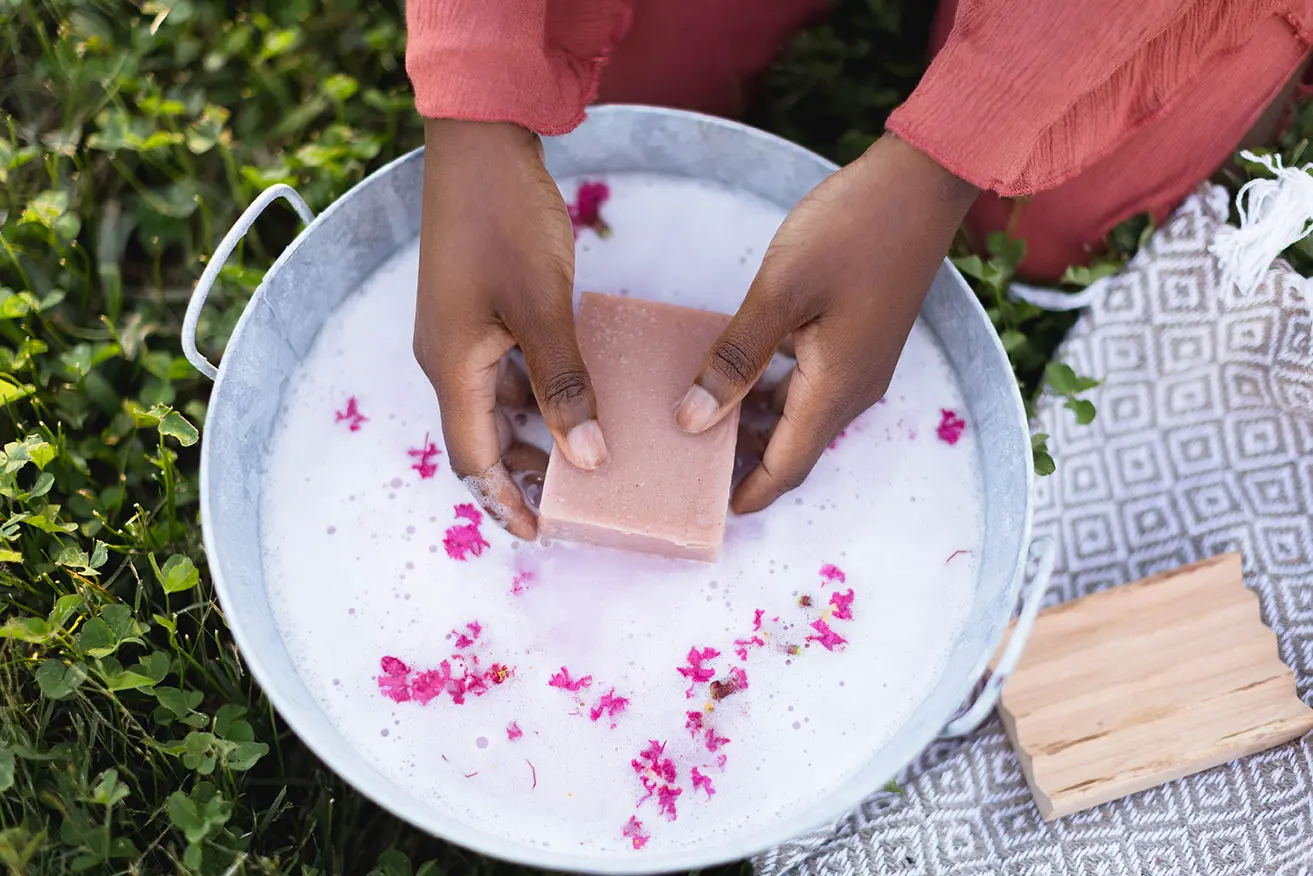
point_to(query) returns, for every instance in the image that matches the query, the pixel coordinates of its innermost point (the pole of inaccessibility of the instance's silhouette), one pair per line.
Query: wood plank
(1141, 684)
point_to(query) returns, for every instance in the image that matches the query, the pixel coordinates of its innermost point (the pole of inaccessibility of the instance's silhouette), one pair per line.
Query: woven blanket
(1203, 444)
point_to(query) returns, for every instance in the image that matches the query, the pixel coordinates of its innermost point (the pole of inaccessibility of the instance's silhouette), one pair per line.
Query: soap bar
(662, 491)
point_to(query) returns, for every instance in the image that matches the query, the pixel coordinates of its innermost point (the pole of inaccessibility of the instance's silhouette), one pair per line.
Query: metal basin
(339, 249)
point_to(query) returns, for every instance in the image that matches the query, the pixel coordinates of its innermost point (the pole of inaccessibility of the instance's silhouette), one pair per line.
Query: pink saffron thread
(954, 555)
(351, 415)
(534, 771)
(950, 427)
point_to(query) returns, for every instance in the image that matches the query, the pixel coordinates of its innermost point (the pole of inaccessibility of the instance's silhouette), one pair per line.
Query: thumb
(562, 386)
(736, 360)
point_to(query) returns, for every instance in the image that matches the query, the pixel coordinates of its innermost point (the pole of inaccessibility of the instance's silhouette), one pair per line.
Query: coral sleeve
(532, 62)
(1026, 94)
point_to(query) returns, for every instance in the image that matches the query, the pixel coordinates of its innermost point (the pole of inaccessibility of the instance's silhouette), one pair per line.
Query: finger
(513, 387)
(527, 465)
(466, 389)
(736, 360)
(780, 394)
(809, 423)
(505, 432)
(560, 382)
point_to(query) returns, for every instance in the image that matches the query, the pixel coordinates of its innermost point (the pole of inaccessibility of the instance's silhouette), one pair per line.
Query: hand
(846, 274)
(496, 269)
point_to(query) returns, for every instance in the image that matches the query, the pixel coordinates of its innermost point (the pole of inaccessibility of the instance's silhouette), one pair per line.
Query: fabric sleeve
(532, 62)
(1026, 94)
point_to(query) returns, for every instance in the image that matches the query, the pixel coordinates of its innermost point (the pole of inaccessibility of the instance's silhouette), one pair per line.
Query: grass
(131, 134)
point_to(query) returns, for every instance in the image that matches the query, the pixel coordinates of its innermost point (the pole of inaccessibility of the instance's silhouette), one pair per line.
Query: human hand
(496, 270)
(846, 274)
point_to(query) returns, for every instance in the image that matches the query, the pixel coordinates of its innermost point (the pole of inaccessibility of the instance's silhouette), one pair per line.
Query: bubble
(396, 482)
(383, 732)
(409, 565)
(797, 726)
(332, 529)
(481, 742)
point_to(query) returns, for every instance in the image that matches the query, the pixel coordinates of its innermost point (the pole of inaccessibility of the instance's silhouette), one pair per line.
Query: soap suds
(351, 536)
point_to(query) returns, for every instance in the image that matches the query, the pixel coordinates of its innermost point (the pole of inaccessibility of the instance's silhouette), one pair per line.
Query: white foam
(356, 569)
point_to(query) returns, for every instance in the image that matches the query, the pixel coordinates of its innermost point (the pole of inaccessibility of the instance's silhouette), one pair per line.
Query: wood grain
(1134, 686)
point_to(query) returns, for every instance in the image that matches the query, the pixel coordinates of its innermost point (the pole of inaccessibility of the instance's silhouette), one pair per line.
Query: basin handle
(221, 253)
(1044, 552)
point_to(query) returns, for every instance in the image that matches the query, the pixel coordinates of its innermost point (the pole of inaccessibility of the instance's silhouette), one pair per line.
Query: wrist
(459, 136)
(947, 195)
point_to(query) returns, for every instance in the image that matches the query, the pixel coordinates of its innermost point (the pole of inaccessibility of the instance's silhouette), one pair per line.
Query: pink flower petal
(609, 705)
(714, 742)
(951, 426)
(474, 628)
(831, 572)
(693, 723)
(513, 731)
(425, 454)
(586, 211)
(394, 683)
(828, 637)
(563, 680)
(469, 512)
(351, 416)
(633, 830)
(431, 684)
(756, 619)
(520, 583)
(393, 666)
(463, 541)
(703, 782)
(695, 671)
(843, 604)
(666, 795)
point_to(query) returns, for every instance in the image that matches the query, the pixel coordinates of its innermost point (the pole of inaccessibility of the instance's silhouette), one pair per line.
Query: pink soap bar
(662, 491)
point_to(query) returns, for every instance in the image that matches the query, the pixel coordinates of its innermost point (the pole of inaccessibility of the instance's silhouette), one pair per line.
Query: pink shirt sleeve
(1026, 94)
(532, 62)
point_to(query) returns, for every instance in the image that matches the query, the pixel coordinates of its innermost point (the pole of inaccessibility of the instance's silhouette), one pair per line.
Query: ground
(131, 135)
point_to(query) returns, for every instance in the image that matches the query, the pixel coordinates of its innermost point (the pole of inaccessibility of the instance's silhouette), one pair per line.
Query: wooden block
(1137, 685)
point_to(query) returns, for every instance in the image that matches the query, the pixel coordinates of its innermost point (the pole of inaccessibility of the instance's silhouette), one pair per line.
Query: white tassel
(1055, 299)
(1274, 213)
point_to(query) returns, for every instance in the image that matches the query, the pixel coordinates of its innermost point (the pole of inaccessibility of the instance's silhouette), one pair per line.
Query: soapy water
(802, 649)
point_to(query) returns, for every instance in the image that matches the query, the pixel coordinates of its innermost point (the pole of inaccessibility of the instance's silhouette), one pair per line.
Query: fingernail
(587, 446)
(697, 411)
